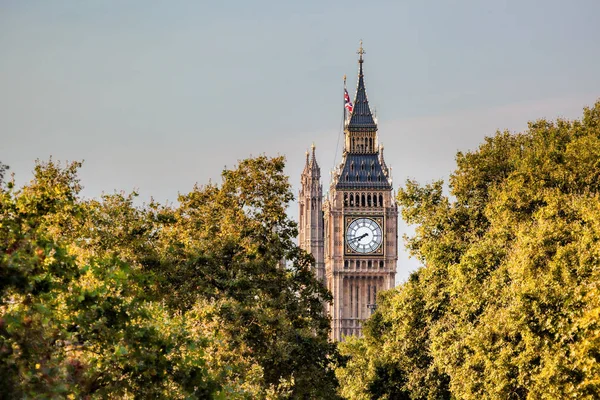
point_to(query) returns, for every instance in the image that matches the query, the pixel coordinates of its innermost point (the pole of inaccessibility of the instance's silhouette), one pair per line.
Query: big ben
(355, 238)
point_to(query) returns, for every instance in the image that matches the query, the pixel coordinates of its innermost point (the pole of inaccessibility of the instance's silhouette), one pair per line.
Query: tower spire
(306, 165)
(362, 118)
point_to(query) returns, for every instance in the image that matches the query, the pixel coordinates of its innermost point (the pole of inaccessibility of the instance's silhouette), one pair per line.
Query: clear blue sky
(158, 95)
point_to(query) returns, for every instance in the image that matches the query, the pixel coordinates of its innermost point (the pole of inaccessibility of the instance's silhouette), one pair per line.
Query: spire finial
(360, 53)
(313, 160)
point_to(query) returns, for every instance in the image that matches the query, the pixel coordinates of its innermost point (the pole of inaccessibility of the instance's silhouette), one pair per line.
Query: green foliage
(81, 327)
(225, 244)
(3, 169)
(100, 298)
(507, 304)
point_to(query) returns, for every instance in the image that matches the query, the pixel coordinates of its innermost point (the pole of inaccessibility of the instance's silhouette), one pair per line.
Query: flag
(347, 102)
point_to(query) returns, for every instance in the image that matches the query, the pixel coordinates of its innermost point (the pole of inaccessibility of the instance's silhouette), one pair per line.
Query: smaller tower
(310, 214)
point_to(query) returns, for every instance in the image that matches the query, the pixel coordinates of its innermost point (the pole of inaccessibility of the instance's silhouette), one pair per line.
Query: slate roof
(362, 171)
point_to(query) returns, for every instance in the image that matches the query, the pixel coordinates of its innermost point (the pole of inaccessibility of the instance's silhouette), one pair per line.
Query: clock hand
(359, 237)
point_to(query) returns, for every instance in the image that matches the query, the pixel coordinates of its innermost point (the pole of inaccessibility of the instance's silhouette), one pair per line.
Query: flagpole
(343, 94)
(342, 125)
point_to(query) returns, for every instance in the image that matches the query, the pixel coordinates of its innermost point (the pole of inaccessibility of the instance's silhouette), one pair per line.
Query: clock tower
(360, 222)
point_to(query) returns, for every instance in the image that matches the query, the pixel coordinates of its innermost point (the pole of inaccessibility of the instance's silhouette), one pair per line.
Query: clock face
(364, 235)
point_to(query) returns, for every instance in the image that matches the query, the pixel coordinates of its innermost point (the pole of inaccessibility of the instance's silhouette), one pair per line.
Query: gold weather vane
(360, 52)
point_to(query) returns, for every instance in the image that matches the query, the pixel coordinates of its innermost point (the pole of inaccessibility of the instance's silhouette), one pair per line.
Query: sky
(156, 96)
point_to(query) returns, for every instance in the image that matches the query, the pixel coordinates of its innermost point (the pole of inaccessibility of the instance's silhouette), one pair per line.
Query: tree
(224, 245)
(103, 298)
(74, 326)
(506, 303)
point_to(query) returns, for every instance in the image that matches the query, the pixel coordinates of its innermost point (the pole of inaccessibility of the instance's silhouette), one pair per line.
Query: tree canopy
(102, 298)
(507, 303)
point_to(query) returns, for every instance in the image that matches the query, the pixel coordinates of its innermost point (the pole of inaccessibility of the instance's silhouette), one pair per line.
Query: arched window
(346, 264)
(369, 200)
(380, 264)
(363, 200)
(369, 264)
(345, 199)
(380, 201)
(351, 200)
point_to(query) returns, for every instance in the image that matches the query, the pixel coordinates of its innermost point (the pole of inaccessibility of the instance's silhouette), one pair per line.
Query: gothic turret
(310, 227)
